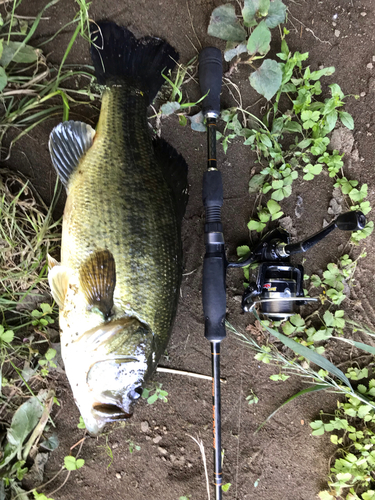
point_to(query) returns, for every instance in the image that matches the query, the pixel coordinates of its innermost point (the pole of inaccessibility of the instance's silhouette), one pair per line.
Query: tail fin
(117, 56)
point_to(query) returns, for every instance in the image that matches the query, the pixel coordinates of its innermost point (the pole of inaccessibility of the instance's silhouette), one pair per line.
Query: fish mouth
(110, 412)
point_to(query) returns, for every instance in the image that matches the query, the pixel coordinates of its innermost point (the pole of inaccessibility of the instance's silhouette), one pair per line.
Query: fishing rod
(278, 289)
(214, 264)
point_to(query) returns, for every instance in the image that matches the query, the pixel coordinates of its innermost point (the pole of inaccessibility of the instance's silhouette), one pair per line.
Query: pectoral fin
(98, 280)
(68, 143)
(58, 278)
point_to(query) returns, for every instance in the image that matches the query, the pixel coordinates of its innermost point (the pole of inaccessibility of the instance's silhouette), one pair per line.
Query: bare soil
(283, 460)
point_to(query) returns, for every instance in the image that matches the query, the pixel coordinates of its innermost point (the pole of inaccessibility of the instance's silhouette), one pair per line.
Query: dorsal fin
(68, 142)
(98, 280)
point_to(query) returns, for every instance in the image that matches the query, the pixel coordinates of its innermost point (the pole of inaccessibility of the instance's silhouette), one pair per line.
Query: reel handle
(210, 80)
(351, 221)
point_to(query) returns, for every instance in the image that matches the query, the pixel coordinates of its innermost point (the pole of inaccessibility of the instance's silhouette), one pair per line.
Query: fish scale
(123, 190)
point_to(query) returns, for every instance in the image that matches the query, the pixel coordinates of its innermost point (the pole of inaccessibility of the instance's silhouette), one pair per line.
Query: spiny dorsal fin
(58, 278)
(68, 142)
(98, 280)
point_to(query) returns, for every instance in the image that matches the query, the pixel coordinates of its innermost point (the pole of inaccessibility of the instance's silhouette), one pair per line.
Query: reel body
(278, 288)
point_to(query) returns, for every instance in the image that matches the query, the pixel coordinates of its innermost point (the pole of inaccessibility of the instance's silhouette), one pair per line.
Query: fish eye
(135, 393)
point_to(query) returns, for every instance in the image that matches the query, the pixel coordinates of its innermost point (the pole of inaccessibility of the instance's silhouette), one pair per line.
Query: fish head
(107, 367)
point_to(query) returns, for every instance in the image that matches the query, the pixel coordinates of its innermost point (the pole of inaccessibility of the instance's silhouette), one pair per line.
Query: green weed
(156, 388)
(352, 428)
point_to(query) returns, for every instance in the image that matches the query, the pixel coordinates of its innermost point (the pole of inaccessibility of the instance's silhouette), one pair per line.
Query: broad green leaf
(3, 79)
(19, 53)
(276, 14)
(307, 353)
(316, 75)
(266, 80)
(23, 422)
(71, 463)
(325, 495)
(282, 193)
(291, 126)
(169, 108)
(7, 336)
(224, 24)
(251, 8)
(259, 40)
(256, 182)
(196, 122)
(273, 206)
(233, 51)
(255, 225)
(152, 399)
(331, 119)
(226, 487)
(346, 120)
(243, 250)
(51, 443)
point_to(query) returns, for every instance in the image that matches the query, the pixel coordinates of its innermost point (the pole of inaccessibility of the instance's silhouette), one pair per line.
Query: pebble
(163, 451)
(362, 94)
(337, 33)
(370, 66)
(114, 446)
(157, 439)
(118, 475)
(373, 58)
(144, 426)
(363, 14)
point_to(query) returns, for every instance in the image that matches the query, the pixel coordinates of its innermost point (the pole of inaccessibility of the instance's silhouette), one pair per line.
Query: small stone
(157, 439)
(373, 58)
(148, 438)
(369, 66)
(363, 14)
(362, 94)
(163, 451)
(337, 33)
(144, 426)
(165, 430)
(118, 475)
(114, 446)
(334, 24)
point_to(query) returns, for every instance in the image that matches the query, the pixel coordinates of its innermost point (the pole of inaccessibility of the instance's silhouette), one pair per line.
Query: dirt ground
(283, 460)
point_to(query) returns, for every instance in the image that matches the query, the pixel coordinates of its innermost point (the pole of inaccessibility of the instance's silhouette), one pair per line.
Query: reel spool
(278, 290)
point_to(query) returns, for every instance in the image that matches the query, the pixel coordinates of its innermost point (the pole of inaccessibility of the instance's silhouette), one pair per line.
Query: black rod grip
(213, 295)
(210, 80)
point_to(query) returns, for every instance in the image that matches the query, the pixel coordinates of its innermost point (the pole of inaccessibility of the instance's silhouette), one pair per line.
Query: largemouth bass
(121, 261)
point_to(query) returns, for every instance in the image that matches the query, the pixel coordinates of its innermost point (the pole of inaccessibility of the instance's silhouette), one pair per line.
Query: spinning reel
(278, 288)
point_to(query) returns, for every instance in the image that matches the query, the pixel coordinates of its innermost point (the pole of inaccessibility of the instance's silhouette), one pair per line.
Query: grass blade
(307, 353)
(314, 388)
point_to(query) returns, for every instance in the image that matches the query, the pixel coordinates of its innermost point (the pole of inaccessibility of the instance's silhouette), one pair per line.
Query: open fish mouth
(110, 412)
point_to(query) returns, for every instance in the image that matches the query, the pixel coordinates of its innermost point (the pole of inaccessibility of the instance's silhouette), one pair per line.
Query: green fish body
(121, 260)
